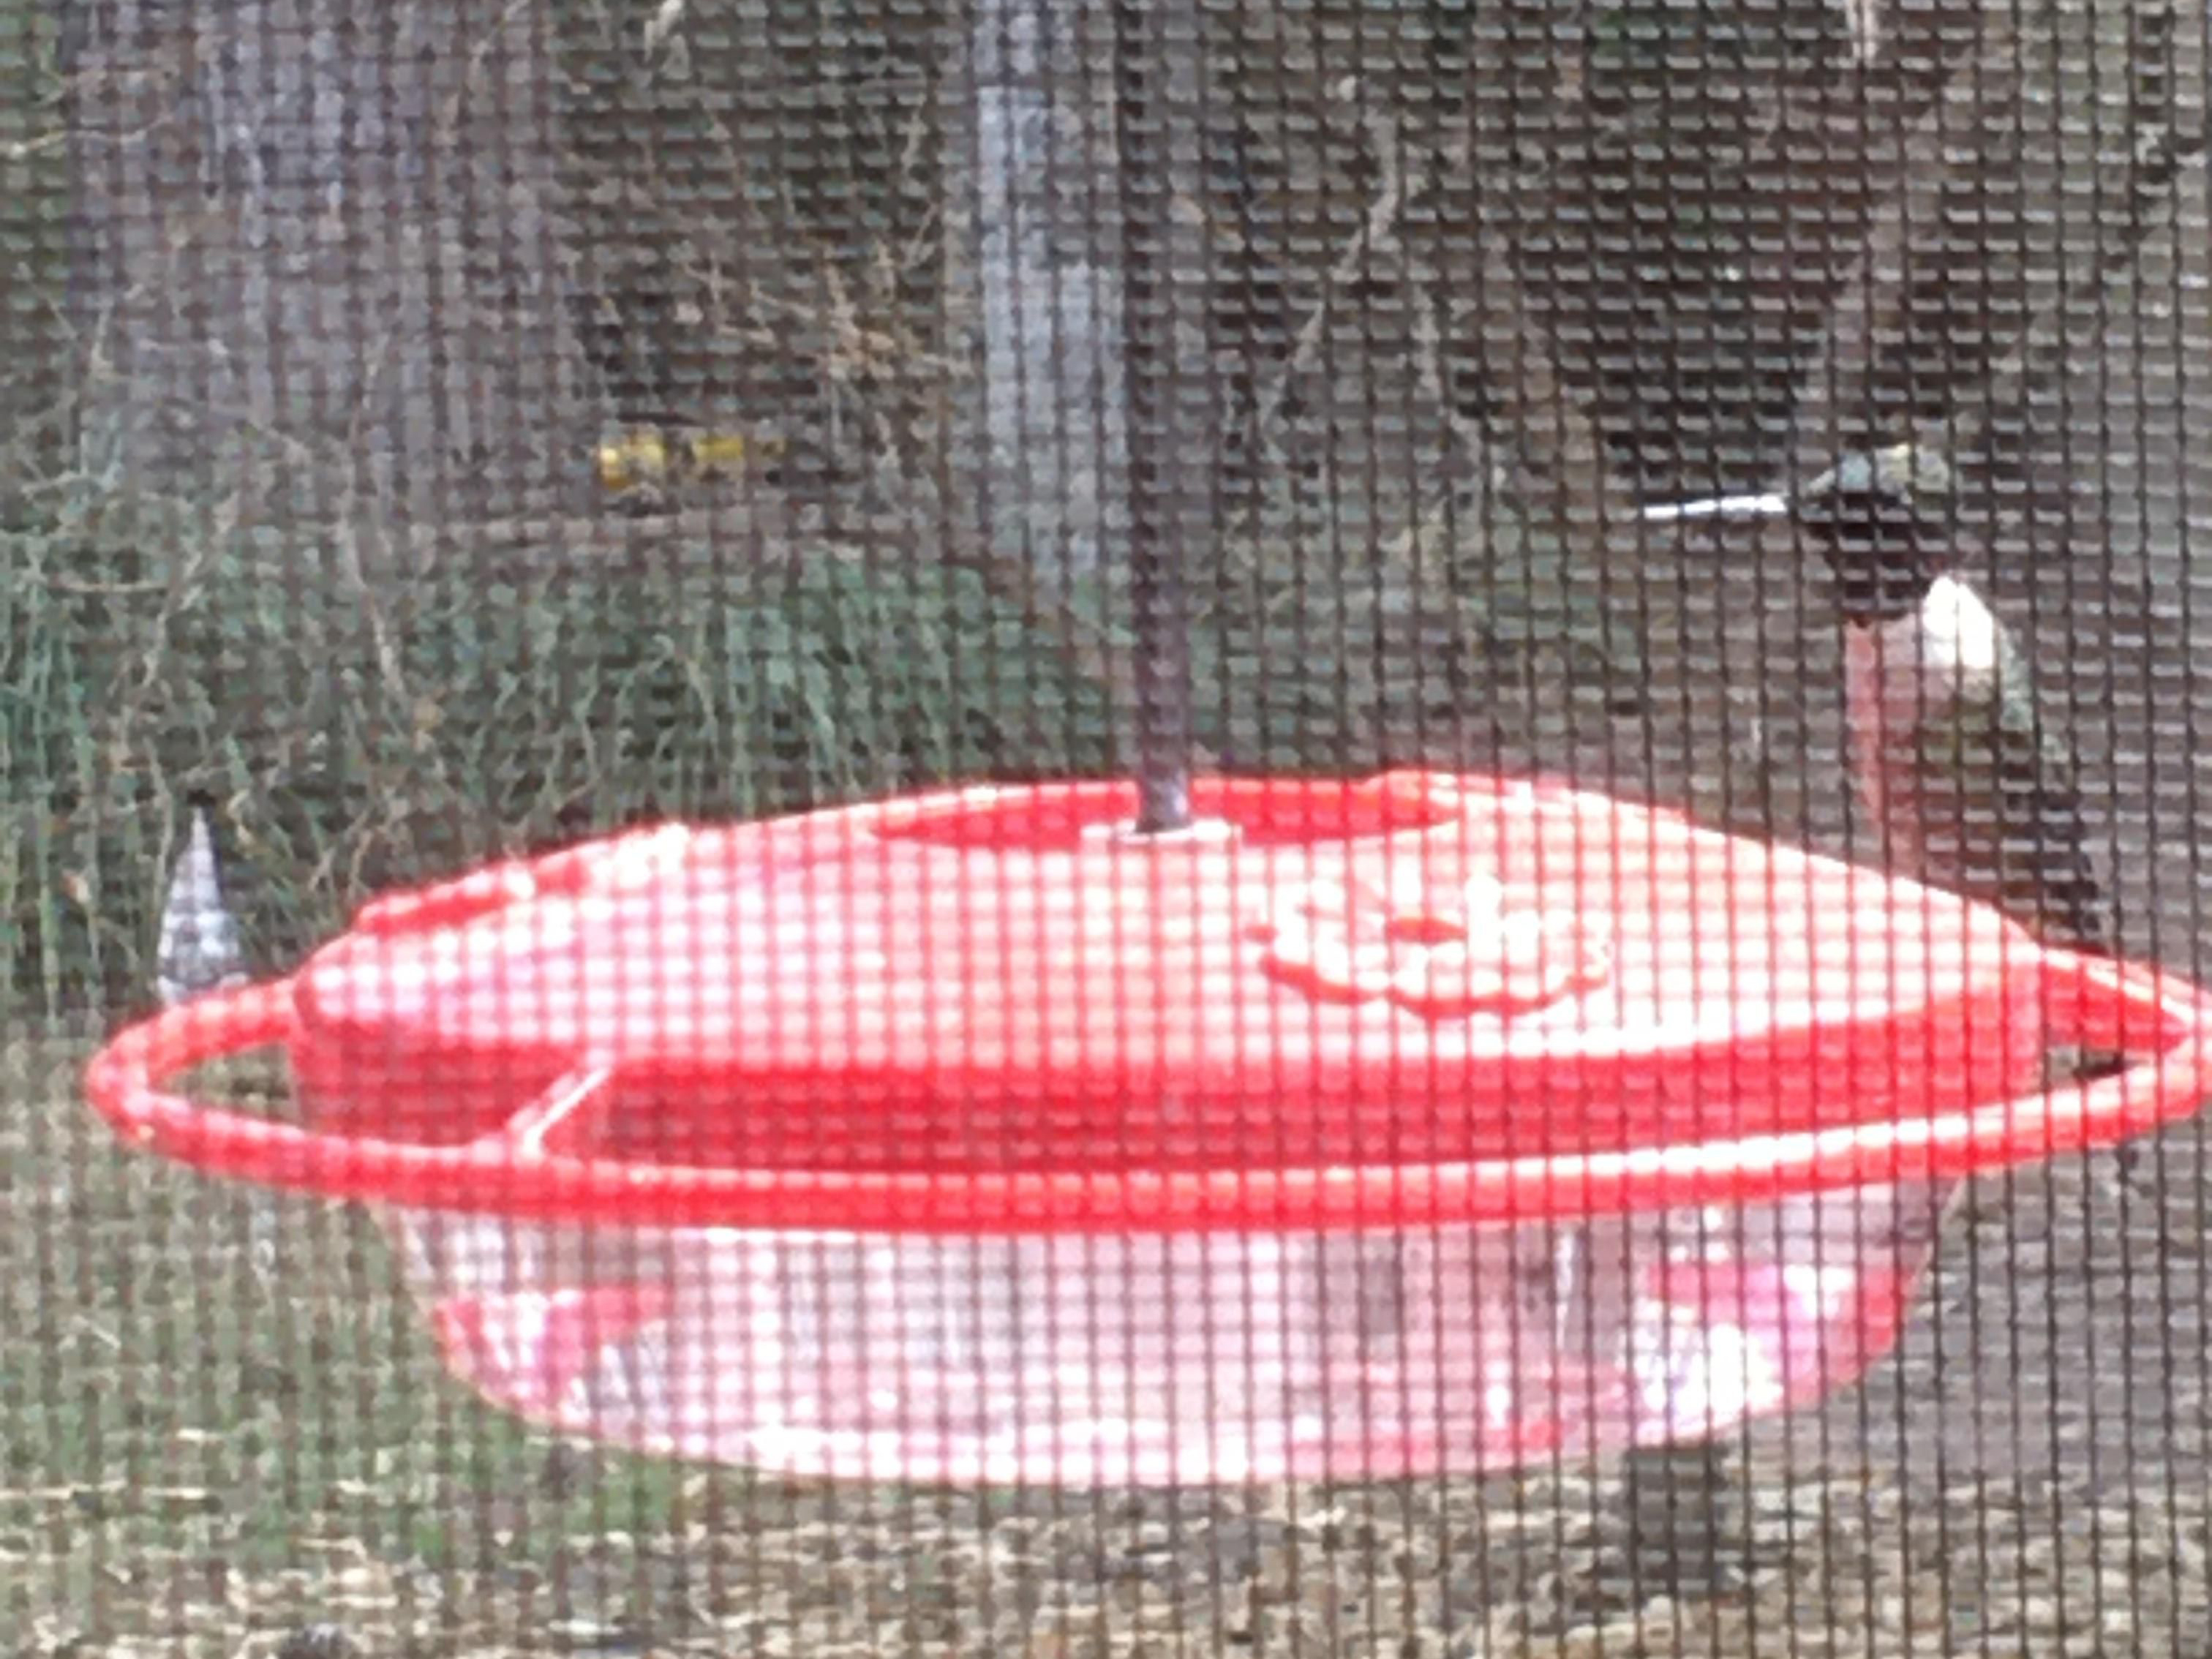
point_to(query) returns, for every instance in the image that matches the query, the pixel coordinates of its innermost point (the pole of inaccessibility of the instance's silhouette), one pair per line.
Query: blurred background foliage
(1676, 207)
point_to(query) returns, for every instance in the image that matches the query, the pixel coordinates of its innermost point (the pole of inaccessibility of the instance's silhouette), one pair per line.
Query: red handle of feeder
(2090, 1001)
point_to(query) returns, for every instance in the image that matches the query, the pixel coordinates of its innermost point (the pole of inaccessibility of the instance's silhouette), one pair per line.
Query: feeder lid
(1409, 1000)
(1313, 953)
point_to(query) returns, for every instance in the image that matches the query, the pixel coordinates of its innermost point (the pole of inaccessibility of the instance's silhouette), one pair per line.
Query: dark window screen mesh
(1081, 828)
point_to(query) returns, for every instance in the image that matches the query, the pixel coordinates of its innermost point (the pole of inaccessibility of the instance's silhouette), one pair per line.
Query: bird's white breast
(1957, 628)
(1900, 674)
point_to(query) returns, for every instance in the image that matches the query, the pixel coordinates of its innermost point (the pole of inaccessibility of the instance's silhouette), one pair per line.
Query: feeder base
(1170, 1359)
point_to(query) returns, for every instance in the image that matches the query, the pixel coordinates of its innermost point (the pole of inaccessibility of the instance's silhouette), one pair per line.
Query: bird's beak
(1766, 505)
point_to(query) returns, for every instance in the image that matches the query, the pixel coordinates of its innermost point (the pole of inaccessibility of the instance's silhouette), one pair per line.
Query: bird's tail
(2090, 1064)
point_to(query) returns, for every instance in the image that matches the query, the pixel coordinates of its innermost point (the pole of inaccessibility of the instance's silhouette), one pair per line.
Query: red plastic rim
(2088, 1001)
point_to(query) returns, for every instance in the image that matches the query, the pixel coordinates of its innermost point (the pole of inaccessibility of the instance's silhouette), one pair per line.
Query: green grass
(353, 741)
(353, 736)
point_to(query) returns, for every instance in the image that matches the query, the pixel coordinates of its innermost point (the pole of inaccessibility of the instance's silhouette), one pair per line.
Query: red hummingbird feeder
(1358, 1129)
(1169, 1131)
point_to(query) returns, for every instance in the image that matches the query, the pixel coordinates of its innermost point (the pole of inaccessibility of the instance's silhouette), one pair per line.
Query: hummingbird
(1967, 786)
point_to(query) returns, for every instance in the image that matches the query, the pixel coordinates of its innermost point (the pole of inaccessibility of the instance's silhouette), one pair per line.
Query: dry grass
(1841, 1568)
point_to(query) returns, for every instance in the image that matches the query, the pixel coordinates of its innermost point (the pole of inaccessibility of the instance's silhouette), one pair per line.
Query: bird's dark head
(1880, 518)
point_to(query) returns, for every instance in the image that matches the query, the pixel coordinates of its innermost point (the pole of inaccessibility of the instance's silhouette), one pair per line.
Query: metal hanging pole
(1158, 81)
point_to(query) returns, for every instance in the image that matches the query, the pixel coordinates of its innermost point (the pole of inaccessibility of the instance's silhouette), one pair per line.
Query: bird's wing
(2000, 810)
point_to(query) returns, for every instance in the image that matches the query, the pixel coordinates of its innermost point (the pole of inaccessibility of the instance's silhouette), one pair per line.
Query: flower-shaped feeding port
(1442, 949)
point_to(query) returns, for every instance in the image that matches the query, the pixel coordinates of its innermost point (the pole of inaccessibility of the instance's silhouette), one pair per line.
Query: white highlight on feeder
(1698, 1376)
(199, 950)
(1566, 1283)
(1767, 505)
(1825, 1291)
